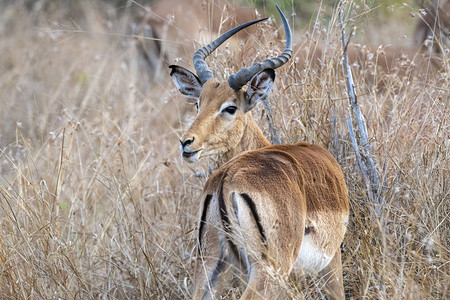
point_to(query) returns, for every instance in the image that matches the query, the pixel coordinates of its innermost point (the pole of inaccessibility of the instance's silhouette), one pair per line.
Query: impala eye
(196, 105)
(230, 109)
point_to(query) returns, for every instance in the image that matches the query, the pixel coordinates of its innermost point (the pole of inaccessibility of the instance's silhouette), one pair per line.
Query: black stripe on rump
(203, 220)
(252, 207)
(225, 220)
(307, 230)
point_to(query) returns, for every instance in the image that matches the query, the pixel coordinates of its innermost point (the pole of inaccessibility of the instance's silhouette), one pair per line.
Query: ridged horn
(200, 65)
(244, 75)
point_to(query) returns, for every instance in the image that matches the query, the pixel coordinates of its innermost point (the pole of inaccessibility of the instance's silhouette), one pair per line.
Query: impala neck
(252, 139)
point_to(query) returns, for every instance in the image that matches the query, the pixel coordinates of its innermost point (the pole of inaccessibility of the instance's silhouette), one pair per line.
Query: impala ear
(259, 88)
(186, 82)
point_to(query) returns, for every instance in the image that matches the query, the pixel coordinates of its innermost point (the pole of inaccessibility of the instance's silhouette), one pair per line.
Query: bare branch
(363, 152)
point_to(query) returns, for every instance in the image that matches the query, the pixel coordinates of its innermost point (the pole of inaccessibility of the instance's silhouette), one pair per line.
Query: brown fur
(292, 187)
(258, 205)
(174, 20)
(267, 210)
(218, 15)
(435, 23)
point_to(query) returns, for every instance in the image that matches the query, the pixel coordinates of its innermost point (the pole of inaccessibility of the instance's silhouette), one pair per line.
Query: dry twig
(363, 150)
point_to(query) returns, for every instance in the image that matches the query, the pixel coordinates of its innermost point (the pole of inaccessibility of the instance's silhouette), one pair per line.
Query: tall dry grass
(95, 201)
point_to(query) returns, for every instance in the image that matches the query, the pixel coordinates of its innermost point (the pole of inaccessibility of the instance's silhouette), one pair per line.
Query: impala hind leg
(210, 275)
(258, 285)
(332, 275)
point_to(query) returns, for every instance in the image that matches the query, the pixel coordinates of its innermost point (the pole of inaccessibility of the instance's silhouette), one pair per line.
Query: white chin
(190, 159)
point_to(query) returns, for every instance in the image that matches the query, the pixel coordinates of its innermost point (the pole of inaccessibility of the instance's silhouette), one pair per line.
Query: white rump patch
(311, 259)
(239, 218)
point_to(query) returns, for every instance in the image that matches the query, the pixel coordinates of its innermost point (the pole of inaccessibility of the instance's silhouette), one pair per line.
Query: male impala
(266, 211)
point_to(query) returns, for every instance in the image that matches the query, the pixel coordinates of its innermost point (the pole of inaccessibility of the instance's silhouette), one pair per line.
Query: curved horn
(244, 75)
(200, 65)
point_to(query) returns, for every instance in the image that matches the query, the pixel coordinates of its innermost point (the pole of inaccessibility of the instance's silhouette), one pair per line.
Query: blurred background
(149, 35)
(95, 200)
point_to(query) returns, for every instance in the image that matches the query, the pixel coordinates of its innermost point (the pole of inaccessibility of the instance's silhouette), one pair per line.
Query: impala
(172, 20)
(266, 211)
(434, 23)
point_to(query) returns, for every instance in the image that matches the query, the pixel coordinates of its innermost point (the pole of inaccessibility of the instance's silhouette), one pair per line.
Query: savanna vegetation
(95, 200)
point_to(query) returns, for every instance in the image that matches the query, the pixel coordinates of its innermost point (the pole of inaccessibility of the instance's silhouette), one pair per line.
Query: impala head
(222, 107)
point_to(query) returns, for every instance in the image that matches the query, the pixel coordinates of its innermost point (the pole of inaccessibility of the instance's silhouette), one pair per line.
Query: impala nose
(186, 142)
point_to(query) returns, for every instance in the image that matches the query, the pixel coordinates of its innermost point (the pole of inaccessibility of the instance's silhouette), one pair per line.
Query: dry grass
(95, 201)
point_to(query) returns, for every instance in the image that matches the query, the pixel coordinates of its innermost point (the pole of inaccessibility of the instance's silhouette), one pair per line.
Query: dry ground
(95, 201)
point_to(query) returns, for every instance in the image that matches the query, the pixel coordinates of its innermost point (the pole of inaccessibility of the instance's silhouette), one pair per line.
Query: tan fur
(272, 194)
(292, 187)
(175, 20)
(219, 136)
(218, 15)
(434, 21)
(264, 211)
